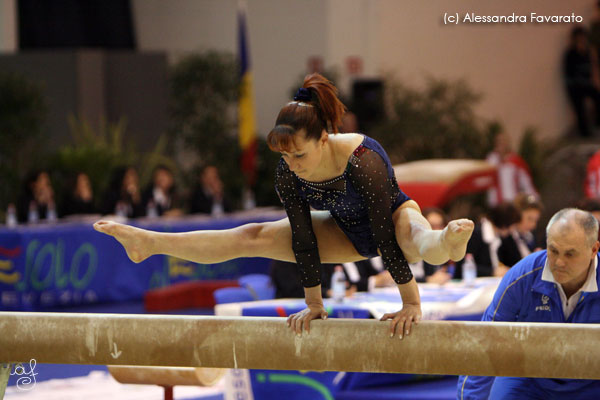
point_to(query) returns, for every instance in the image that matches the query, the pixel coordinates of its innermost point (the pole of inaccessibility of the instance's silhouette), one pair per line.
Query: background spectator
(124, 197)
(581, 75)
(513, 176)
(286, 279)
(364, 275)
(360, 276)
(37, 200)
(160, 196)
(592, 177)
(80, 199)
(208, 196)
(487, 239)
(520, 240)
(594, 34)
(592, 206)
(530, 208)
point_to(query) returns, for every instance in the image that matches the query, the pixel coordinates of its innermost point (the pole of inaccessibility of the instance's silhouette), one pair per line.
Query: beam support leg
(4, 374)
(168, 392)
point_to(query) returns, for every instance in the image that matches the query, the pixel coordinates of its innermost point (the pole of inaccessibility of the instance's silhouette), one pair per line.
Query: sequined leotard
(361, 201)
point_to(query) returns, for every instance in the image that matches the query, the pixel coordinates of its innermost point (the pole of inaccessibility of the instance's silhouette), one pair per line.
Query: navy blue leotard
(361, 201)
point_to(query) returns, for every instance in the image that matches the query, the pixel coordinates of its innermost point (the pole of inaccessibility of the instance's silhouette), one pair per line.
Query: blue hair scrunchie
(302, 94)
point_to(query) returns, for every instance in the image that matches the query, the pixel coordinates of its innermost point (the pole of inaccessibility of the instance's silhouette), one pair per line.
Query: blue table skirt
(69, 264)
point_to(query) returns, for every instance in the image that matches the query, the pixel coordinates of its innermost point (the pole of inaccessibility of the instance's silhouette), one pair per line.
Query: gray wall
(515, 66)
(95, 85)
(282, 35)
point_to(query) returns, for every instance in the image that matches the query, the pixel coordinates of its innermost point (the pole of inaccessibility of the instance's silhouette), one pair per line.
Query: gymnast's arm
(370, 179)
(304, 245)
(504, 307)
(369, 176)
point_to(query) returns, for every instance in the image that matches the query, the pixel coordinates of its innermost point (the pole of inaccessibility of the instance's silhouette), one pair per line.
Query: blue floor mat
(442, 389)
(45, 372)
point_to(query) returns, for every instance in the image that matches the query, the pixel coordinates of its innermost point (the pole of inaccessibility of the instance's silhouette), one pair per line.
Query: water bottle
(151, 210)
(469, 270)
(33, 216)
(217, 209)
(51, 215)
(11, 216)
(121, 209)
(248, 199)
(338, 284)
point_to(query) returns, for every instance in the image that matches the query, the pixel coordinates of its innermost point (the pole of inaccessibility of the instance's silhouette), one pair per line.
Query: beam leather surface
(434, 347)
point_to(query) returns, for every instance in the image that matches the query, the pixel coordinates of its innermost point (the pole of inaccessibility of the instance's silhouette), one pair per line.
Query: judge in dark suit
(360, 276)
(487, 239)
(208, 196)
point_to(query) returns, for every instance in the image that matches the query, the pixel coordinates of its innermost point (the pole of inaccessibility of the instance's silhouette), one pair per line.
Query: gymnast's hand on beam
(303, 318)
(402, 320)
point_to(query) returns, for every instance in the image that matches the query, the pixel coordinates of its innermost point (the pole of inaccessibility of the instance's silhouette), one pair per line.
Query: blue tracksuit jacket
(524, 297)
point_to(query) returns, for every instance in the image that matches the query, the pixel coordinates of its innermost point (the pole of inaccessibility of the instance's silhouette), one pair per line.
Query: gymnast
(359, 212)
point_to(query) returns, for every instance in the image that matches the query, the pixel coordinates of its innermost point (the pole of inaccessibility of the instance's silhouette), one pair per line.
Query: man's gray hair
(584, 219)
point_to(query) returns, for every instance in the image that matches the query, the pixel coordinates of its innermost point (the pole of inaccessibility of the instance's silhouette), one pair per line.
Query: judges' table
(453, 301)
(69, 263)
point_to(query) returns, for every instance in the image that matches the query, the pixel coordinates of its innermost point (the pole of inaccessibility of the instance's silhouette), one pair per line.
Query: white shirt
(161, 198)
(489, 237)
(377, 263)
(590, 285)
(512, 177)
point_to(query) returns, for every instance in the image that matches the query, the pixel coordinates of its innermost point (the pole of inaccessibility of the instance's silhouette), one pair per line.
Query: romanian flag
(246, 114)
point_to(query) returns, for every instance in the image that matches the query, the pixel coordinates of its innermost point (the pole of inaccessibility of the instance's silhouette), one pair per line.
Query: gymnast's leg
(268, 239)
(418, 241)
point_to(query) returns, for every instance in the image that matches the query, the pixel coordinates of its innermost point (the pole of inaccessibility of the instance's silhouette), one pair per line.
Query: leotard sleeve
(304, 241)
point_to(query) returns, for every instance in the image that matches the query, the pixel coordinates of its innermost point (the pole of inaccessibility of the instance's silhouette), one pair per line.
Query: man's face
(569, 253)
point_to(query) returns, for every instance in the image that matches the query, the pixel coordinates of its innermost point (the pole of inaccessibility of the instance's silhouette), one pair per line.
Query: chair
(259, 285)
(232, 295)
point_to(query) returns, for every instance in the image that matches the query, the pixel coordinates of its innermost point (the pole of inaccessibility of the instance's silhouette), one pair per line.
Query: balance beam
(434, 347)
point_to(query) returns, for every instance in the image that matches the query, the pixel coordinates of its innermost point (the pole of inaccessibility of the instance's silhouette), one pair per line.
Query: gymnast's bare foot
(135, 241)
(455, 237)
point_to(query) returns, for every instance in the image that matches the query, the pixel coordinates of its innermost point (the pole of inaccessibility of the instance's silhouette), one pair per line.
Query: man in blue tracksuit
(559, 284)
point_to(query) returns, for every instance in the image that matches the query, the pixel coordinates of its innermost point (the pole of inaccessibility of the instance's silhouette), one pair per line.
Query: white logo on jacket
(544, 306)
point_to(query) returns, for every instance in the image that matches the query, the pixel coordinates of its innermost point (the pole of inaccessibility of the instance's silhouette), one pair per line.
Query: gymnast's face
(569, 253)
(304, 157)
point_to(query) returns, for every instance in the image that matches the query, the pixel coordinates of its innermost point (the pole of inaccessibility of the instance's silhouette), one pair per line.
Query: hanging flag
(246, 114)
